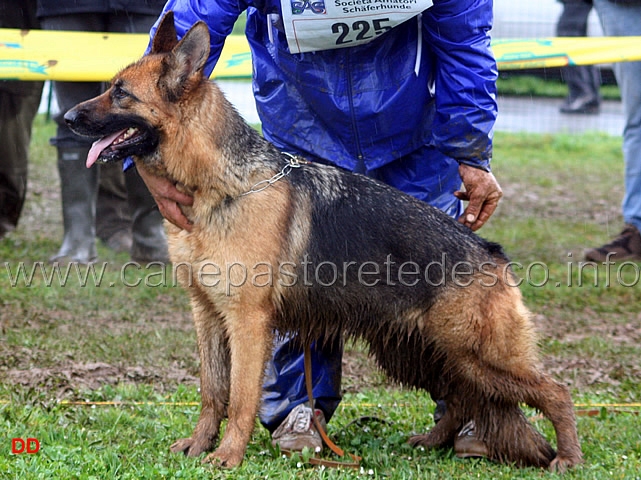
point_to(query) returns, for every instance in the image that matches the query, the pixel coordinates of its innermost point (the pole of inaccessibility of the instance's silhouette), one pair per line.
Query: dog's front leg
(214, 379)
(250, 342)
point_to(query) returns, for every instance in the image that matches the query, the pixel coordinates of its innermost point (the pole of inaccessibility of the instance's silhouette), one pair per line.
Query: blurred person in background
(583, 81)
(105, 202)
(19, 102)
(621, 18)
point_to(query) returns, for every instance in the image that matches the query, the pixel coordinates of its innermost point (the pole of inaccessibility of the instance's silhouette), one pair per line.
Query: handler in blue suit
(413, 104)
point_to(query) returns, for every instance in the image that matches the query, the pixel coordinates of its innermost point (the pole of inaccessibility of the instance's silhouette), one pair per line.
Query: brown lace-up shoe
(298, 431)
(627, 246)
(468, 445)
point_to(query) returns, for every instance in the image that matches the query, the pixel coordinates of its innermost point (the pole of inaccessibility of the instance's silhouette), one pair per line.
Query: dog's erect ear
(193, 50)
(183, 67)
(165, 38)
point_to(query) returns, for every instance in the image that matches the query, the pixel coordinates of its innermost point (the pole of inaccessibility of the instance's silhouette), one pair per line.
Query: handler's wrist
(482, 165)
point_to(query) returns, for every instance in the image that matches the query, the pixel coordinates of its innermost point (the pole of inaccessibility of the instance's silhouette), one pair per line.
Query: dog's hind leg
(214, 378)
(554, 401)
(504, 428)
(442, 434)
(507, 374)
(509, 437)
(513, 439)
(250, 341)
(493, 358)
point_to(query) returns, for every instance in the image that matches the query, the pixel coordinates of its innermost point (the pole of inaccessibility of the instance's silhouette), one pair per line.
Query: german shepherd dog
(283, 245)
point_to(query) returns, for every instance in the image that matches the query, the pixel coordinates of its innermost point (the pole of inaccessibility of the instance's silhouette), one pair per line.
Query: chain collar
(292, 162)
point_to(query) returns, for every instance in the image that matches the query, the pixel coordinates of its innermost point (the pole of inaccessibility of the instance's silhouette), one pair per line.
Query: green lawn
(105, 376)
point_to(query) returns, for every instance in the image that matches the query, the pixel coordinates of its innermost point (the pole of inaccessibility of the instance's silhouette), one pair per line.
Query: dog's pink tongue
(99, 145)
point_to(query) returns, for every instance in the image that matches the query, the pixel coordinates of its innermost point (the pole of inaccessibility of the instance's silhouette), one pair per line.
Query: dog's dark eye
(119, 93)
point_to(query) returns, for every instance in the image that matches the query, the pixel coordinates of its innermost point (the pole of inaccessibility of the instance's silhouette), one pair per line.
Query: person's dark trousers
(583, 81)
(149, 239)
(113, 221)
(19, 103)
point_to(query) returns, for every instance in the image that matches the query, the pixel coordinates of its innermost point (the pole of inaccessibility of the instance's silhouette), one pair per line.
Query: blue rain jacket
(367, 104)
(361, 108)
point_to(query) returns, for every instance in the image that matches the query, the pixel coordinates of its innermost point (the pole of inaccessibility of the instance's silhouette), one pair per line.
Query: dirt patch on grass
(559, 203)
(591, 351)
(51, 351)
(66, 371)
(69, 379)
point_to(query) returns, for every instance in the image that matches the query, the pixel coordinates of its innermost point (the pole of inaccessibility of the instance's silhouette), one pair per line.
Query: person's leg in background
(19, 102)
(113, 221)
(78, 184)
(583, 81)
(283, 410)
(624, 19)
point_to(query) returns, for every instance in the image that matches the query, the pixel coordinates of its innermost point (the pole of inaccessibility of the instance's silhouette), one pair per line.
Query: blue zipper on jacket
(360, 161)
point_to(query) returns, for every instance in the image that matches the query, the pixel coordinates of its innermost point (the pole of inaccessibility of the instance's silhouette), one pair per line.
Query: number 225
(362, 29)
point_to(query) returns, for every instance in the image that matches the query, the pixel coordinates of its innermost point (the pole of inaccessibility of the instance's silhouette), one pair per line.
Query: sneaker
(627, 246)
(298, 430)
(468, 445)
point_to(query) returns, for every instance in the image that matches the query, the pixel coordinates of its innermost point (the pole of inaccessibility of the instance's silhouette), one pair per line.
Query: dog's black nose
(71, 117)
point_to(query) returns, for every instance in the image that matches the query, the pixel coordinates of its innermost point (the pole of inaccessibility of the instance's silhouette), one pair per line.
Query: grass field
(102, 371)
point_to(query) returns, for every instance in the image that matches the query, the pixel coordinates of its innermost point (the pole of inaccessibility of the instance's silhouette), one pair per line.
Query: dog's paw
(426, 441)
(225, 458)
(190, 446)
(561, 464)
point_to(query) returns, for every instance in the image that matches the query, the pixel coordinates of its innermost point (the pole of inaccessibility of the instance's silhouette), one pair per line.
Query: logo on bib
(315, 6)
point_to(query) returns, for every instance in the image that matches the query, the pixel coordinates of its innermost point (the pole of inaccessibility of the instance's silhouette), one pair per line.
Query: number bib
(312, 25)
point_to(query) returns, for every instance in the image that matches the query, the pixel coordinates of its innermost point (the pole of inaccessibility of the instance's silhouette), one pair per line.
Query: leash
(355, 463)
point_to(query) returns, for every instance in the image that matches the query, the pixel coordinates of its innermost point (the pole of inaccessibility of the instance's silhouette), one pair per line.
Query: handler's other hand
(168, 198)
(483, 193)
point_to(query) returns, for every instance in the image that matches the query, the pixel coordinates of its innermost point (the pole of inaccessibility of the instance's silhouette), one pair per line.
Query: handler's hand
(483, 193)
(168, 198)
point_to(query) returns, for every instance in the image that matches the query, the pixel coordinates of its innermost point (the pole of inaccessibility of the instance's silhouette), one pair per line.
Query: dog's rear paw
(561, 464)
(225, 458)
(425, 441)
(190, 447)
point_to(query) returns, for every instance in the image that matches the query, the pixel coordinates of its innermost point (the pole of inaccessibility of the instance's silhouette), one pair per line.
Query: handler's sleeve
(465, 78)
(219, 15)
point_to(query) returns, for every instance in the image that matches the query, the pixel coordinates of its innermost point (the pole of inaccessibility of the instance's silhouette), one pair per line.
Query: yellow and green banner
(89, 57)
(562, 51)
(93, 57)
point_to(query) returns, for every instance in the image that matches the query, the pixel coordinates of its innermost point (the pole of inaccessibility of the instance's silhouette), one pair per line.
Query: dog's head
(132, 116)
